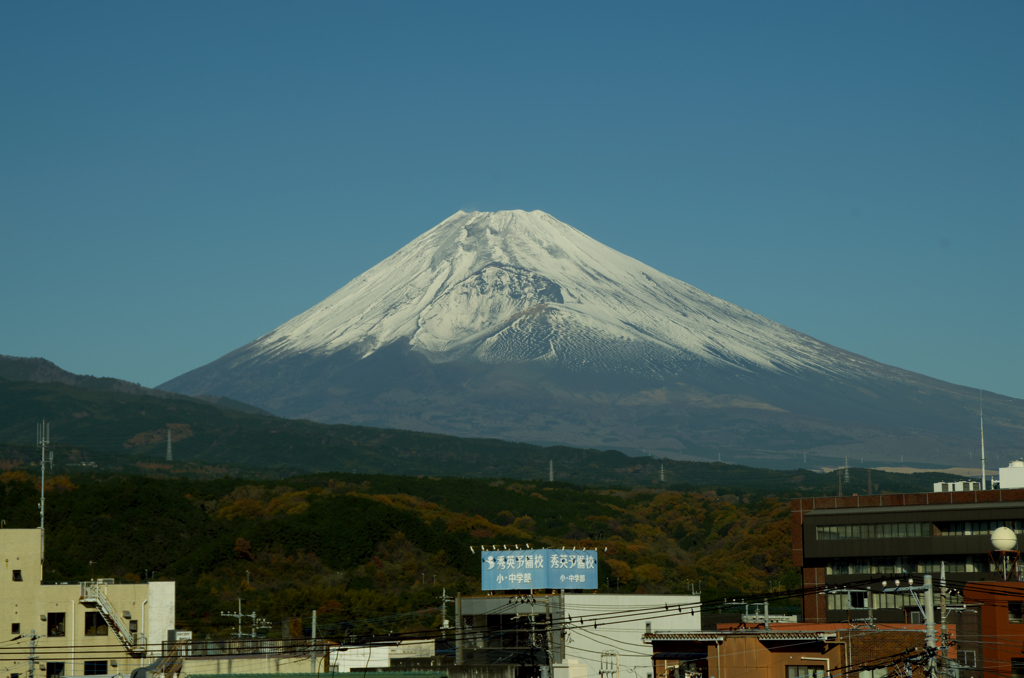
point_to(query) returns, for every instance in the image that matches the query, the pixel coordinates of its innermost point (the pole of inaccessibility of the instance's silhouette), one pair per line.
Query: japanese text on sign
(538, 569)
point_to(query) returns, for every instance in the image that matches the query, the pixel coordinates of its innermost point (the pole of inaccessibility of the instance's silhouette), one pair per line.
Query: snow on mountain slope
(513, 285)
(514, 325)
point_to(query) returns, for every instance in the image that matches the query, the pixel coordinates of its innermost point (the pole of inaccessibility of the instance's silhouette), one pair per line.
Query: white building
(570, 635)
(55, 629)
(957, 486)
(1012, 477)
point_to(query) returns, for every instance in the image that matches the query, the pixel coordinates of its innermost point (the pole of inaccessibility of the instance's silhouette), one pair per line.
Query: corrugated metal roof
(760, 635)
(692, 635)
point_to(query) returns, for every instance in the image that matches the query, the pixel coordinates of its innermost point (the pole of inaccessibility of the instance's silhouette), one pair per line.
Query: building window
(15, 628)
(54, 669)
(879, 531)
(1017, 668)
(95, 625)
(1016, 609)
(16, 575)
(55, 624)
(96, 668)
(967, 658)
(805, 672)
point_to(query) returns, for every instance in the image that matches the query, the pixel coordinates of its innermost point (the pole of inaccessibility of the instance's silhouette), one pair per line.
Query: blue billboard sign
(538, 569)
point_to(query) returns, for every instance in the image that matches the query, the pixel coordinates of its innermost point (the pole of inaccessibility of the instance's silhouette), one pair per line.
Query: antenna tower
(42, 440)
(981, 415)
(551, 470)
(169, 457)
(662, 473)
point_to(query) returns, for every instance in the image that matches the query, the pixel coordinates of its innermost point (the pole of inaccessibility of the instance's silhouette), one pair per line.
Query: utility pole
(444, 612)
(257, 623)
(942, 611)
(929, 624)
(928, 608)
(42, 440)
(312, 651)
(549, 638)
(32, 658)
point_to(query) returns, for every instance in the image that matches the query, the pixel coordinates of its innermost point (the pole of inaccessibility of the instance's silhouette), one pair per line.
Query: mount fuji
(515, 325)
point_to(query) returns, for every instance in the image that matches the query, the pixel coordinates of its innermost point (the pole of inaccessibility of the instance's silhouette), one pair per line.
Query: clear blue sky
(178, 178)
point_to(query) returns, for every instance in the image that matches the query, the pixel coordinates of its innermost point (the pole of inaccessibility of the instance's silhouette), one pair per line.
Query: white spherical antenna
(1004, 539)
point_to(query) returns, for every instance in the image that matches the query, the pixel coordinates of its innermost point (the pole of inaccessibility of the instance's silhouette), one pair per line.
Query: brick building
(852, 544)
(1000, 606)
(790, 651)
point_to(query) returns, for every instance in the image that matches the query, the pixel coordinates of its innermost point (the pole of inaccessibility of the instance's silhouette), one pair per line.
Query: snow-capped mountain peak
(516, 286)
(514, 325)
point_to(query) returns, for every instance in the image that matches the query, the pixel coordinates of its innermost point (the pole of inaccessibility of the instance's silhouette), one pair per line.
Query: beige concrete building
(98, 627)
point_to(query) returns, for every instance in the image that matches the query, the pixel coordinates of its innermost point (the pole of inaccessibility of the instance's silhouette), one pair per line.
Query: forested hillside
(125, 432)
(372, 554)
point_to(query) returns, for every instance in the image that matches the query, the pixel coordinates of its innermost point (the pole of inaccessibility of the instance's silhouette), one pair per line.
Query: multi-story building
(852, 544)
(570, 635)
(98, 627)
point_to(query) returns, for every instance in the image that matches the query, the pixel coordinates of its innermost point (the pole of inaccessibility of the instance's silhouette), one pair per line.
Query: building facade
(791, 651)
(98, 627)
(1000, 606)
(850, 545)
(574, 635)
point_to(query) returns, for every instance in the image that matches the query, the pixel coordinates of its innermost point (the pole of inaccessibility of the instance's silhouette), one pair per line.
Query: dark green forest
(370, 527)
(372, 554)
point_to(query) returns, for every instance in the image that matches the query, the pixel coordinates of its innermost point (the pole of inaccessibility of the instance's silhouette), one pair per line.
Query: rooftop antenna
(42, 440)
(981, 415)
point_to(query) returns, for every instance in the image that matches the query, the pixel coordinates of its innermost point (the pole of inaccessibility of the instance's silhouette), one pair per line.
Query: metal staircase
(92, 594)
(171, 663)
